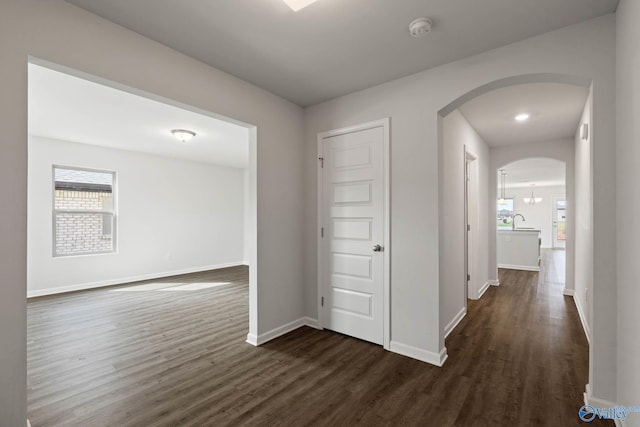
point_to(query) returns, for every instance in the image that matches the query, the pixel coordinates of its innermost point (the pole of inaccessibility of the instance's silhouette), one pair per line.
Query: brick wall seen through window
(84, 214)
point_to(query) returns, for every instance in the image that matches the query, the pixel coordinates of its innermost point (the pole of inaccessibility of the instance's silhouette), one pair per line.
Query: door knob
(377, 248)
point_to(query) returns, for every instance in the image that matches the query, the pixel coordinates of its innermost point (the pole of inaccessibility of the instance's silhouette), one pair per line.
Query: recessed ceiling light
(183, 135)
(296, 5)
(522, 117)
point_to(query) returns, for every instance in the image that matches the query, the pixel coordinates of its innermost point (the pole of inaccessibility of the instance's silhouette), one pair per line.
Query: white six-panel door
(353, 238)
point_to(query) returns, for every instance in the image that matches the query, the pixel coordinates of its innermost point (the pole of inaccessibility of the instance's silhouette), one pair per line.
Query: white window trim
(55, 211)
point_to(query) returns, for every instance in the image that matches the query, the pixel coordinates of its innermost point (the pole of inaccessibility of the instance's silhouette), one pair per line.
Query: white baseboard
(123, 280)
(519, 267)
(456, 320)
(281, 330)
(312, 323)
(436, 359)
(252, 339)
(589, 399)
(600, 403)
(583, 319)
(596, 402)
(484, 288)
(620, 423)
(569, 292)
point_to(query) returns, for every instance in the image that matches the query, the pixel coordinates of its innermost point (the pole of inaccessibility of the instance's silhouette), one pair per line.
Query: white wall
(174, 216)
(64, 34)
(628, 152)
(583, 221)
(594, 206)
(540, 215)
(246, 255)
(584, 50)
(458, 134)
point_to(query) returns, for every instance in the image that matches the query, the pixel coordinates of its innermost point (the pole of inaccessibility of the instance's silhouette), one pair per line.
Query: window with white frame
(505, 214)
(84, 214)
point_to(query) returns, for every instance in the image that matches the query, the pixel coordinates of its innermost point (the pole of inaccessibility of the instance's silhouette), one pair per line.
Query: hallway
(525, 349)
(154, 358)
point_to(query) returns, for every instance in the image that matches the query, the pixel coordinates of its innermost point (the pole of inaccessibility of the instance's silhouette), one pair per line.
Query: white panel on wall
(352, 229)
(352, 193)
(352, 265)
(355, 302)
(359, 156)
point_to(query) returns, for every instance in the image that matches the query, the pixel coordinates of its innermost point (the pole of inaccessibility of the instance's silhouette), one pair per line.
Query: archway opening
(521, 117)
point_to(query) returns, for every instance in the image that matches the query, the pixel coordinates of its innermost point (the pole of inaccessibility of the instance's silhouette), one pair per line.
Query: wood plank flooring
(171, 352)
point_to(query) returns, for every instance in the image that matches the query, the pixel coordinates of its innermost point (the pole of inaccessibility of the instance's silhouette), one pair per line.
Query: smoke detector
(420, 27)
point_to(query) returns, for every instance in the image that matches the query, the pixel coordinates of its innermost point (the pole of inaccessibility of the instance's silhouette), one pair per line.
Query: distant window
(561, 220)
(505, 214)
(84, 216)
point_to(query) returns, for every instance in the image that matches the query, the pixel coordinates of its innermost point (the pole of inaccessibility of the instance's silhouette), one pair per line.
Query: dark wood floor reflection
(171, 352)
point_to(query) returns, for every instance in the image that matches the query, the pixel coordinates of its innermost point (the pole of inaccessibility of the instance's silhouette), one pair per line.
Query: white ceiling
(334, 47)
(542, 172)
(555, 111)
(69, 108)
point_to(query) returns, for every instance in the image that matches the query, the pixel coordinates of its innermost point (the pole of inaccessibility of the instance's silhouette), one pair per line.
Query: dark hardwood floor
(171, 352)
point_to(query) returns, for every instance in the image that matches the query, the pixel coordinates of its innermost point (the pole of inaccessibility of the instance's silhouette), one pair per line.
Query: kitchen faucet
(513, 221)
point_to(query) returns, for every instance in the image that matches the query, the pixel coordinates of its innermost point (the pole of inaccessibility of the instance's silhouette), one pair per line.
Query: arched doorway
(484, 122)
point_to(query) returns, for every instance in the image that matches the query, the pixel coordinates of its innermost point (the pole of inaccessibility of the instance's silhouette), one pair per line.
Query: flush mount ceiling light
(522, 117)
(183, 135)
(296, 5)
(420, 27)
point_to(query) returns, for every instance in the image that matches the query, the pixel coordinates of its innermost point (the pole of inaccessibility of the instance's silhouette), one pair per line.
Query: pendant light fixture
(532, 200)
(503, 200)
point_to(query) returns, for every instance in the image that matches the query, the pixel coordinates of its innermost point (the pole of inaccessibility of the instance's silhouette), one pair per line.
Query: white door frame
(470, 177)
(386, 286)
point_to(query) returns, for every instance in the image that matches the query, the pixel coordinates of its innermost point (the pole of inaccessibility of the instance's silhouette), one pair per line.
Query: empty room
(153, 216)
(319, 212)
